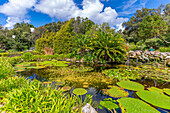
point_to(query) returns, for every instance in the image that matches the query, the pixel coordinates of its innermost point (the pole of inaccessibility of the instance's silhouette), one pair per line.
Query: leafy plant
(131, 85)
(132, 105)
(155, 89)
(155, 98)
(109, 104)
(116, 92)
(6, 68)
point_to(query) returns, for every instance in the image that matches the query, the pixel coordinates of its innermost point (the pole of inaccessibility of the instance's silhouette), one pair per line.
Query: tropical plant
(107, 46)
(6, 69)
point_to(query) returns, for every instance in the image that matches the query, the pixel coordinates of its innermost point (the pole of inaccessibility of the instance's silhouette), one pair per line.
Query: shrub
(164, 49)
(2, 50)
(27, 56)
(6, 68)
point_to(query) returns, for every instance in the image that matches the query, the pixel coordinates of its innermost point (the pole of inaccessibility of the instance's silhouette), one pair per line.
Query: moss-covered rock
(130, 85)
(155, 98)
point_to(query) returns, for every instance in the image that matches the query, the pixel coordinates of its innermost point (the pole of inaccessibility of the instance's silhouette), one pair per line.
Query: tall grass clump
(6, 68)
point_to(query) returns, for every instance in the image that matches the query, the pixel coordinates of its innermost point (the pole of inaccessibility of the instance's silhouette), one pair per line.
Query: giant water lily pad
(132, 105)
(109, 105)
(155, 98)
(155, 89)
(60, 83)
(167, 91)
(66, 88)
(79, 91)
(130, 85)
(116, 92)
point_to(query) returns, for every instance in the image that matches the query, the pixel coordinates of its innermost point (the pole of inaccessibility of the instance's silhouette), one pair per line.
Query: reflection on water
(94, 80)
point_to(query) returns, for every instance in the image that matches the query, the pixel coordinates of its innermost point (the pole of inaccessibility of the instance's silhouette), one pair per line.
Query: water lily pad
(109, 105)
(79, 91)
(85, 83)
(31, 67)
(60, 83)
(116, 92)
(131, 85)
(85, 86)
(155, 98)
(132, 105)
(167, 91)
(66, 88)
(48, 82)
(155, 89)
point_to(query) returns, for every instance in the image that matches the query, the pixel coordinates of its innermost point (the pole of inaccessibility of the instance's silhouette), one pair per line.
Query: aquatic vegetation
(155, 89)
(131, 85)
(110, 105)
(122, 74)
(66, 88)
(79, 91)
(167, 91)
(132, 105)
(59, 82)
(116, 92)
(155, 98)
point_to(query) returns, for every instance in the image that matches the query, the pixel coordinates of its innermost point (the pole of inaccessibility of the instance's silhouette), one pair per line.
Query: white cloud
(93, 9)
(16, 10)
(131, 6)
(119, 26)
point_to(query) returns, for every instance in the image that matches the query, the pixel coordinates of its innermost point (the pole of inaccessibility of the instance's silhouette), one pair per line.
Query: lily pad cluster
(167, 91)
(39, 65)
(116, 92)
(154, 89)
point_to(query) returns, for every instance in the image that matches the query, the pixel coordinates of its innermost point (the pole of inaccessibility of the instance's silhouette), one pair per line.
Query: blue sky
(40, 12)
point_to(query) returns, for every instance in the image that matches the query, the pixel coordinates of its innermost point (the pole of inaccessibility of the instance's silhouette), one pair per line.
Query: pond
(91, 79)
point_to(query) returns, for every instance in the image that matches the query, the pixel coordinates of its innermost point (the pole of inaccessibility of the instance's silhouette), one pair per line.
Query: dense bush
(6, 68)
(164, 49)
(2, 50)
(24, 96)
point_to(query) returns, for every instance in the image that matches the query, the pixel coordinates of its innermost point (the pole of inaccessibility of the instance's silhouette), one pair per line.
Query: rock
(88, 109)
(168, 57)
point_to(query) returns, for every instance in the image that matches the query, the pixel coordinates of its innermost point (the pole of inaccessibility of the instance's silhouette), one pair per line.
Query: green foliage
(154, 42)
(116, 92)
(132, 105)
(109, 104)
(66, 88)
(23, 96)
(131, 85)
(2, 50)
(155, 98)
(164, 49)
(152, 26)
(79, 91)
(27, 56)
(6, 68)
(107, 46)
(122, 74)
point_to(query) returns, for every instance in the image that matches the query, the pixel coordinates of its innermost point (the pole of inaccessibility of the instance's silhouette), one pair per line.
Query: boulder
(88, 109)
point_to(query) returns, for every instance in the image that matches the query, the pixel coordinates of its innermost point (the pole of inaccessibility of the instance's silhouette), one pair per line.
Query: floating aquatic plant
(116, 92)
(79, 91)
(155, 98)
(132, 105)
(155, 89)
(66, 88)
(60, 83)
(108, 105)
(167, 91)
(131, 85)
